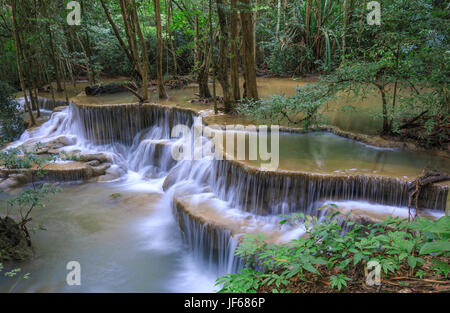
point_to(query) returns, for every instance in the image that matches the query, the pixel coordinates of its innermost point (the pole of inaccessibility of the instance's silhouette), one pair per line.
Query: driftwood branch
(134, 92)
(411, 122)
(417, 185)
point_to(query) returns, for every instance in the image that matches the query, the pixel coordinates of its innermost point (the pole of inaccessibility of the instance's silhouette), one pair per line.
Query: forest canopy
(403, 57)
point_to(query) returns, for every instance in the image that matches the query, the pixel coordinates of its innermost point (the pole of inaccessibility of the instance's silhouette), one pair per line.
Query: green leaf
(412, 261)
(435, 246)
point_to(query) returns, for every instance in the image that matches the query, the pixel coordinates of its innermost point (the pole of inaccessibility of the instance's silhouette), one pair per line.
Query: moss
(13, 244)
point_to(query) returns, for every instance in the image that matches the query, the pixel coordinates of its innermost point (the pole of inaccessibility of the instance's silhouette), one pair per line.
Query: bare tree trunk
(386, 126)
(277, 30)
(248, 50)
(119, 38)
(171, 39)
(86, 60)
(131, 28)
(222, 72)
(235, 51)
(145, 65)
(202, 64)
(161, 91)
(255, 16)
(53, 54)
(19, 66)
(307, 20)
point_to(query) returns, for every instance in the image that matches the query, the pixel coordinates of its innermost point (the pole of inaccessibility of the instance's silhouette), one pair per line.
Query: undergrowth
(334, 260)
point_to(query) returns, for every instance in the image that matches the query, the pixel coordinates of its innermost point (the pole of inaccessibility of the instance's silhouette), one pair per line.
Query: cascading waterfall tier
(46, 104)
(278, 192)
(212, 244)
(213, 231)
(121, 123)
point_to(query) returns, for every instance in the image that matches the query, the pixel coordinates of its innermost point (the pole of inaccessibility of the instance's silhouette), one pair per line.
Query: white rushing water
(146, 164)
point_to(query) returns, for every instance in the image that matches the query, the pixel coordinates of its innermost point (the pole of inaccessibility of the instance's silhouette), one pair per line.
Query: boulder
(101, 157)
(93, 163)
(112, 173)
(13, 244)
(53, 144)
(100, 170)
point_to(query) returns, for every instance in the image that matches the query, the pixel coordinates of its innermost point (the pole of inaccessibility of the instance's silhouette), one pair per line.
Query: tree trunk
(159, 66)
(119, 38)
(307, 21)
(131, 23)
(277, 29)
(234, 60)
(171, 40)
(53, 54)
(248, 50)
(202, 64)
(386, 126)
(19, 66)
(222, 71)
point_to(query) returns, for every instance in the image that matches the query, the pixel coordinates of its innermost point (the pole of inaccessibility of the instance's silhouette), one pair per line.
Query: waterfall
(44, 103)
(138, 138)
(213, 246)
(121, 123)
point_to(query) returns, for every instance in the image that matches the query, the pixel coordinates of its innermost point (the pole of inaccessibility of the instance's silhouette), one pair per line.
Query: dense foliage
(419, 248)
(11, 120)
(22, 204)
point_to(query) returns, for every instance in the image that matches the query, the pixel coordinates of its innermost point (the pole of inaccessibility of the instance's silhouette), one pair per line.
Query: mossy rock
(13, 244)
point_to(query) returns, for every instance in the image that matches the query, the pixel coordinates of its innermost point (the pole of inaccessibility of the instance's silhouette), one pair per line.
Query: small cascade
(213, 246)
(264, 192)
(44, 103)
(282, 192)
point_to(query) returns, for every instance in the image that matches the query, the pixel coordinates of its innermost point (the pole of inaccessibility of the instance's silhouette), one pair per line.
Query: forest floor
(402, 281)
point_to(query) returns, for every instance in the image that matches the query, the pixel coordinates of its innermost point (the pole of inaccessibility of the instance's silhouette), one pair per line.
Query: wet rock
(59, 109)
(13, 243)
(111, 174)
(171, 179)
(101, 157)
(34, 146)
(93, 163)
(14, 178)
(8, 183)
(53, 151)
(139, 201)
(100, 170)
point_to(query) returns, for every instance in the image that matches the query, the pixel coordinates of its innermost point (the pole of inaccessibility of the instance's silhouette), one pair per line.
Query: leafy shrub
(394, 244)
(11, 119)
(303, 108)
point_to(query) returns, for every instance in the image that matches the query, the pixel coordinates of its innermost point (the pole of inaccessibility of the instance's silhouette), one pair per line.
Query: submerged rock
(112, 173)
(101, 157)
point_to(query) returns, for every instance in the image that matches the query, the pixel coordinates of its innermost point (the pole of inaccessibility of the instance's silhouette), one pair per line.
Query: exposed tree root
(415, 187)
